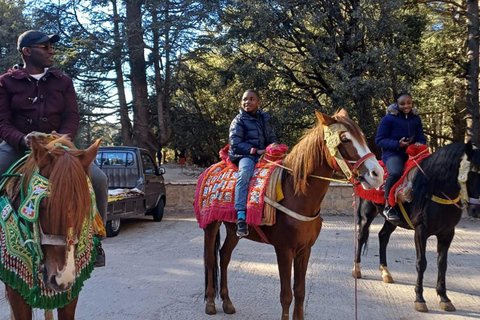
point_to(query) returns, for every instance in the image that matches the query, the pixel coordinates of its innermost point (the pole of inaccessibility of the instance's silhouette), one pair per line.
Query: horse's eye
(344, 138)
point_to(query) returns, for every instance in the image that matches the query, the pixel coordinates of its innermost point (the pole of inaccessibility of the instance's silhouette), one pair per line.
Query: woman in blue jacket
(249, 136)
(400, 127)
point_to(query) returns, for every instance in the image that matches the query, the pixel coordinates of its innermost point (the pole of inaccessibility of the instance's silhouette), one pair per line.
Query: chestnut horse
(315, 155)
(53, 236)
(435, 210)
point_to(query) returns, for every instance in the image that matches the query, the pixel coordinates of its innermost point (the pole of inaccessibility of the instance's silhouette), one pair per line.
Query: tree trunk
(472, 114)
(162, 85)
(126, 125)
(142, 135)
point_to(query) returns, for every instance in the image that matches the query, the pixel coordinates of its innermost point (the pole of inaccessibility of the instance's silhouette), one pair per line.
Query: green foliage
(12, 24)
(300, 55)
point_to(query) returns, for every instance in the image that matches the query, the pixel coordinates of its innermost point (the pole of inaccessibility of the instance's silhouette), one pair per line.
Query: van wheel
(157, 212)
(113, 227)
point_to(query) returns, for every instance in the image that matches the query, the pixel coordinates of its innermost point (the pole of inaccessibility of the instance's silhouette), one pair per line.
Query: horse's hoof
(386, 276)
(387, 279)
(421, 306)
(356, 272)
(447, 306)
(228, 307)
(210, 308)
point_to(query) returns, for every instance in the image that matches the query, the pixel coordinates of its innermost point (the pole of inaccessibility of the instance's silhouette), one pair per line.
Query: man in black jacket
(250, 134)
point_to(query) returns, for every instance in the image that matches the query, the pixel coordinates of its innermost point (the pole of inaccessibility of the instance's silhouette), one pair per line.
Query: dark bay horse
(436, 208)
(53, 181)
(332, 137)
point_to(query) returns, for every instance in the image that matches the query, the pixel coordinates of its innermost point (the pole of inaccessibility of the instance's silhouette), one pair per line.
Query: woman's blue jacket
(393, 127)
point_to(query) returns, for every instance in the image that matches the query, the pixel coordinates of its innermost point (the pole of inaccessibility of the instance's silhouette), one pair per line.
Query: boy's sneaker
(390, 213)
(242, 228)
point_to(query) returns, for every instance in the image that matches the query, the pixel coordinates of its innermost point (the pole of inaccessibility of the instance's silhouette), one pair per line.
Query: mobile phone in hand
(408, 139)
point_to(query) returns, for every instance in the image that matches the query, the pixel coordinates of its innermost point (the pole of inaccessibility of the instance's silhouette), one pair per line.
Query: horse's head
(345, 141)
(471, 166)
(63, 213)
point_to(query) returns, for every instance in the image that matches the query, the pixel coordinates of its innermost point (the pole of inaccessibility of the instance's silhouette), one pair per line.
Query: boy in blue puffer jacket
(249, 136)
(398, 129)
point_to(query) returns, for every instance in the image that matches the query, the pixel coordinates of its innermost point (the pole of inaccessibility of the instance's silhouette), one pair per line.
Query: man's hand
(260, 151)
(27, 140)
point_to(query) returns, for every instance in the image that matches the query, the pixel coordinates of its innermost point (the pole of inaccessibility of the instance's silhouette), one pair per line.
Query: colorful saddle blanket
(401, 191)
(215, 193)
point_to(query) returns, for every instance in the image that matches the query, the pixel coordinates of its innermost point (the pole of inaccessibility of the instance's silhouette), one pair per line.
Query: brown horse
(64, 213)
(315, 154)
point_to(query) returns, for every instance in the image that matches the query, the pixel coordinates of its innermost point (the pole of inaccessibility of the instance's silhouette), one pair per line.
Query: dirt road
(155, 272)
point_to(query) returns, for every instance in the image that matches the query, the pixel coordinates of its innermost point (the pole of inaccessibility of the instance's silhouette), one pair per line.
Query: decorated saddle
(20, 247)
(215, 193)
(402, 190)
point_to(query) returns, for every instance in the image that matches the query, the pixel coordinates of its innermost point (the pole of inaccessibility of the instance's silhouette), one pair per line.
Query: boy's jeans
(246, 167)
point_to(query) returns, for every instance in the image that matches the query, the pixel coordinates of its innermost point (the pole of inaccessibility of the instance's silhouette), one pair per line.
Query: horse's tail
(215, 266)
(365, 212)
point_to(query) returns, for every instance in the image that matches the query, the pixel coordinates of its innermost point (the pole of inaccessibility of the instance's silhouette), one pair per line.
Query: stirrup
(100, 257)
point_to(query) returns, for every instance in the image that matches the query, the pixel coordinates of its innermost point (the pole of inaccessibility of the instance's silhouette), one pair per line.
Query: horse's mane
(69, 203)
(311, 151)
(441, 175)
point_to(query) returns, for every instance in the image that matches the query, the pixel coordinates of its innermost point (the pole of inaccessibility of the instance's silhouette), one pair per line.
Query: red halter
(354, 168)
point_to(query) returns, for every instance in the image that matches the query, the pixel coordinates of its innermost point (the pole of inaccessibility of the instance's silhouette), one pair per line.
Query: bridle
(463, 172)
(332, 137)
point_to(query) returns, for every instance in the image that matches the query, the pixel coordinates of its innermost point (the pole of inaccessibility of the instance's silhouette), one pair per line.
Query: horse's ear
(343, 113)
(87, 158)
(39, 152)
(469, 150)
(323, 118)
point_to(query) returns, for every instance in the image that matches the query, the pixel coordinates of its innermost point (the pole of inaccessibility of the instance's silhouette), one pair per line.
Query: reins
(311, 175)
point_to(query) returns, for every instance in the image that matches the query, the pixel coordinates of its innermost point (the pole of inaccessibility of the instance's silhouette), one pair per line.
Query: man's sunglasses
(42, 46)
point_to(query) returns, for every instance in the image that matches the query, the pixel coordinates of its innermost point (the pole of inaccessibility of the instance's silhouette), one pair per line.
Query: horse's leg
(421, 247)
(384, 238)
(366, 212)
(231, 241)
(211, 243)
(284, 261)
(19, 308)
(68, 312)
(300, 264)
(443, 244)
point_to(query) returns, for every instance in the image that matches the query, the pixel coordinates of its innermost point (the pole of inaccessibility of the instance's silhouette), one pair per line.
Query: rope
(355, 240)
(313, 176)
(435, 198)
(405, 215)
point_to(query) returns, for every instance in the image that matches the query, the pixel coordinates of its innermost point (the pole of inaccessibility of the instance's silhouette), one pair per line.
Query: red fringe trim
(416, 155)
(220, 210)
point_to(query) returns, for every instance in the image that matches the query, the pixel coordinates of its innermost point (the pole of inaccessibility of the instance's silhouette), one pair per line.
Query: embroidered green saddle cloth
(20, 250)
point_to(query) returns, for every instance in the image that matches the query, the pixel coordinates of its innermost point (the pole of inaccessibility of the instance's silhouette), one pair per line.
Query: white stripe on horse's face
(373, 177)
(66, 277)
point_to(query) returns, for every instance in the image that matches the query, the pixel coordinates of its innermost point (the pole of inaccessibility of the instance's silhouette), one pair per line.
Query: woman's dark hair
(401, 94)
